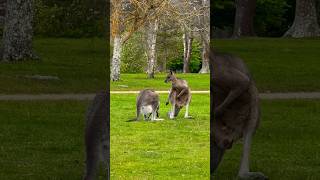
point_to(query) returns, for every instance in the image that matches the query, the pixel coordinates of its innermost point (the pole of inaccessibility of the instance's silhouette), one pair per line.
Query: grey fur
(179, 95)
(97, 140)
(235, 105)
(148, 98)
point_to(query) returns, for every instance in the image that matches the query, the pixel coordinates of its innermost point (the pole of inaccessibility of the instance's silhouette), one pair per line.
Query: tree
(318, 10)
(187, 49)
(151, 38)
(18, 31)
(186, 17)
(243, 24)
(205, 35)
(305, 23)
(194, 16)
(2, 11)
(126, 18)
(160, 15)
(168, 44)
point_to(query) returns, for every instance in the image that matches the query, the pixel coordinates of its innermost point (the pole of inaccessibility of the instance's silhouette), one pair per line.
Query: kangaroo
(148, 104)
(179, 95)
(234, 110)
(97, 140)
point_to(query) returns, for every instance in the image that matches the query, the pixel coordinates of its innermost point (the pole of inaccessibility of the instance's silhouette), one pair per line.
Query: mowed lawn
(286, 145)
(42, 140)
(278, 64)
(137, 81)
(169, 149)
(79, 64)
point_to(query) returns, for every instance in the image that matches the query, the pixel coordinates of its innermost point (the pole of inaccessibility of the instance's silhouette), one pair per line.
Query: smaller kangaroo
(148, 104)
(97, 136)
(179, 95)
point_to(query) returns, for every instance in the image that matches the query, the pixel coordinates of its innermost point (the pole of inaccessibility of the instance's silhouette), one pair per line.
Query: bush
(133, 58)
(68, 19)
(270, 19)
(176, 64)
(273, 17)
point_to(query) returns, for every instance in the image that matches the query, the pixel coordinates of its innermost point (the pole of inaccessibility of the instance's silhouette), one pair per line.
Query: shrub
(68, 19)
(176, 63)
(133, 58)
(273, 17)
(270, 19)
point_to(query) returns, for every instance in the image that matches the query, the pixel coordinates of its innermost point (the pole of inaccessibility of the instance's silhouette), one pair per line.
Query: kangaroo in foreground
(235, 108)
(148, 103)
(179, 95)
(97, 136)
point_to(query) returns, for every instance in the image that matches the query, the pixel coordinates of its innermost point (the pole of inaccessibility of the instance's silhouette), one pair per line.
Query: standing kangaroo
(97, 140)
(179, 95)
(235, 108)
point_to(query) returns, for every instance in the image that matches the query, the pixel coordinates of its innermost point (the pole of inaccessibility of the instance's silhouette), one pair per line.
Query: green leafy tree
(176, 63)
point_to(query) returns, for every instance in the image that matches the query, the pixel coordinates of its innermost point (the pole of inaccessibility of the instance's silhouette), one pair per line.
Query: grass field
(80, 64)
(278, 64)
(286, 145)
(137, 81)
(42, 140)
(169, 149)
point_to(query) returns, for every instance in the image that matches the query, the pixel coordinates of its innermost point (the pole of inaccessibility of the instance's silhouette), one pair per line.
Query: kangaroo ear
(171, 72)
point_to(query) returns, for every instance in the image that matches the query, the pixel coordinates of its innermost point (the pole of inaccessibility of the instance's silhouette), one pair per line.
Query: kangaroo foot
(252, 176)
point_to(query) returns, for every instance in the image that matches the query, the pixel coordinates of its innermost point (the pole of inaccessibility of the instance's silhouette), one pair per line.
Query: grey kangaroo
(179, 95)
(235, 108)
(148, 104)
(97, 136)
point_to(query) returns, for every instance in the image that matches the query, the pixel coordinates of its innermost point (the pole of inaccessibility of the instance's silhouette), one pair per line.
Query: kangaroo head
(170, 77)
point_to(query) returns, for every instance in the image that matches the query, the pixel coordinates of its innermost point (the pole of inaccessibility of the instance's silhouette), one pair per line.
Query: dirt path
(29, 97)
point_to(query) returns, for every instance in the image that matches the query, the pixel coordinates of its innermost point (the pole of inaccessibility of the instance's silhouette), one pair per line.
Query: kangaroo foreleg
(181, 92)
(169, 95)
(234, 80)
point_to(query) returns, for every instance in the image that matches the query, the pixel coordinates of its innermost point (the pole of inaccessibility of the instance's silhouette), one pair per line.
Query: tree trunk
(151, 37)
(166, 60)
(205, 38)
(116, 58)
(243, 24)
(18, 32)
(305, 22)
(2, 12)
(205, 58)
(318, 10)
(187, 50)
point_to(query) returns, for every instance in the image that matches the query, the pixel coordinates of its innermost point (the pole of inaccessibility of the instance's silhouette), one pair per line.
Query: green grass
(140, 81)
(42, 140)
(286, 145)
(79, 63)
(169, 149)
(277, 64)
